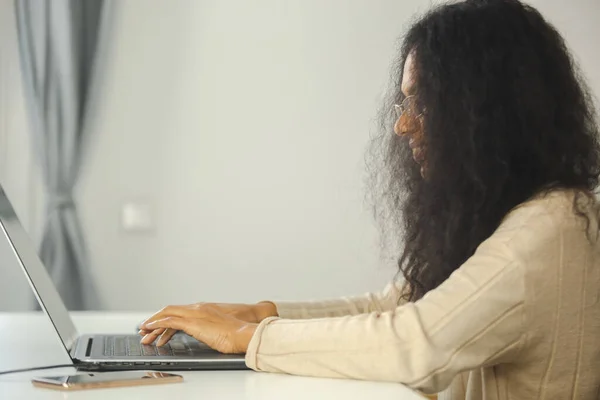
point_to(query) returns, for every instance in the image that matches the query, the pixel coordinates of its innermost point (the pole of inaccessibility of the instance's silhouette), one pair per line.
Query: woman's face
(410, 123)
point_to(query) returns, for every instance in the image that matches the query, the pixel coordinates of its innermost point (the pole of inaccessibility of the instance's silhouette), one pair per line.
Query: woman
(500, 253)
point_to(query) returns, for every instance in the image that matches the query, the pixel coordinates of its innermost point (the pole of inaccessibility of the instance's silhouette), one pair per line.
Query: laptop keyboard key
(133, 340)
(163, 351)
(148, 350)
(178, 346)
(134, 348)
(108, 346)
(120, 348)
(193, 345)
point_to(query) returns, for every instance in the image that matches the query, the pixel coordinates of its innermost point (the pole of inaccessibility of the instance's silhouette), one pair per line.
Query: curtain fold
(58, 40)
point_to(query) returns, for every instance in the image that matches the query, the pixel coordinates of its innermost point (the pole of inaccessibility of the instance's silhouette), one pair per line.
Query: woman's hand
(227, 328)
(217, 330)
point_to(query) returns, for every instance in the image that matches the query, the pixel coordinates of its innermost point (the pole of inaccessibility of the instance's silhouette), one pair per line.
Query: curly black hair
(508, 116)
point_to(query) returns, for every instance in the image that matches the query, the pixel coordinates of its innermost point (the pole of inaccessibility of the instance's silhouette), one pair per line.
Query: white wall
(577, 21)
(244, 124)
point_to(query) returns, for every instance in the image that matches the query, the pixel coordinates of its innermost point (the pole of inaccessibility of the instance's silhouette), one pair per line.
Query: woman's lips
(417, 150)
(418, 154)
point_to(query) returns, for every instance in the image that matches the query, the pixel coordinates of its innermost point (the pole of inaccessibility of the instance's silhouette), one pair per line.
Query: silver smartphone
(105, 380)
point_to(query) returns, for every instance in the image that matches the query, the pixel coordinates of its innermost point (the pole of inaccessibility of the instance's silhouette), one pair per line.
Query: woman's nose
(402, 126)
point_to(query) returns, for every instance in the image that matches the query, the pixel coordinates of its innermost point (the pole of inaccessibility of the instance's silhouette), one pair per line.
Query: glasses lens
(408, 106)
(398, 110)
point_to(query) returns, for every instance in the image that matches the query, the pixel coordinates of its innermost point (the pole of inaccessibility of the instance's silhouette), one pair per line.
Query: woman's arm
(386, 300)
(475, 317)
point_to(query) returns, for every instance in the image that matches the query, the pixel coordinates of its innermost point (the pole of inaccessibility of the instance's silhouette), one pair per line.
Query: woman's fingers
(165, 337)
(151, 337)
(165, 312)
(173, 323)
(170, 311)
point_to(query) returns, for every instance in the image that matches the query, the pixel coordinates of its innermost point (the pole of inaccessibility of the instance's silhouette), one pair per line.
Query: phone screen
(91, 378)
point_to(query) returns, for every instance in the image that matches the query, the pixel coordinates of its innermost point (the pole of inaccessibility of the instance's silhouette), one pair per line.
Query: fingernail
(145, 338)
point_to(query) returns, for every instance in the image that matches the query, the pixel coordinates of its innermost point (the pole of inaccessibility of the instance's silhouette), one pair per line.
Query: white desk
(27, 340)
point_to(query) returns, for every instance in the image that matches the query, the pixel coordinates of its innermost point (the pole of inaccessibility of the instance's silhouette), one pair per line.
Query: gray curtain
(58, 40)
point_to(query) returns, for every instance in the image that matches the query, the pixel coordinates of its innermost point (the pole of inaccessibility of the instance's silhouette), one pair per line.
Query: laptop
(93, 352)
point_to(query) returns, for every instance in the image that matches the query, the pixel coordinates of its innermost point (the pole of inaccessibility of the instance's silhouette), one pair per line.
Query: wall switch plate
(137, 217)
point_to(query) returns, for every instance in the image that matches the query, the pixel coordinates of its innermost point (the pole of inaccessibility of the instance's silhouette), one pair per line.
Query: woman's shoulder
(538, 223)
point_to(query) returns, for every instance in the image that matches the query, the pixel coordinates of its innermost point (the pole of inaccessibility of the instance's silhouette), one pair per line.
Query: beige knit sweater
(519, 320)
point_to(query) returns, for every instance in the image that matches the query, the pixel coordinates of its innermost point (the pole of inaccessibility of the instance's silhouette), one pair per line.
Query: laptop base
(163, 366)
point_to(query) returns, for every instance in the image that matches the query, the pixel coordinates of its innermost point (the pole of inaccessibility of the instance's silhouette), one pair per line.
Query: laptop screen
(37, 275)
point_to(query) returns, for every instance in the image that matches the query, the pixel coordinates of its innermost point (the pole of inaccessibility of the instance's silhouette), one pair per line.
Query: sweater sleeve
(474, 318)
(388, 299)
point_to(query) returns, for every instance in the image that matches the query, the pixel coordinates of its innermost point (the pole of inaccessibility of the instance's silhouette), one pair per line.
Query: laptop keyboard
(129, 345)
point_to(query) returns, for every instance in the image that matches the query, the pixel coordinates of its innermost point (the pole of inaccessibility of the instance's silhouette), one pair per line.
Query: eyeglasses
(408, 107)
